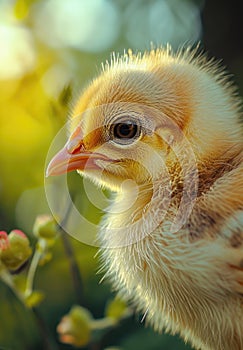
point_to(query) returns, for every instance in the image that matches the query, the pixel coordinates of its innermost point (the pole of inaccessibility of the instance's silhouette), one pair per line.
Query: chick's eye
(124, 132)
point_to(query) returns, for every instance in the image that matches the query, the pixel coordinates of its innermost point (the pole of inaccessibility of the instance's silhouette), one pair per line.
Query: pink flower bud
(20, 233)
(4, 242)
(16, 251)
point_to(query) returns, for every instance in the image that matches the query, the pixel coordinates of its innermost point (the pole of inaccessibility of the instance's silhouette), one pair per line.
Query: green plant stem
(103, 323)
(33, 267)
(47, 338)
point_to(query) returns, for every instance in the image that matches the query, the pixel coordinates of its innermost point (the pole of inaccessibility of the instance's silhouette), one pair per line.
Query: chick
(163, 131)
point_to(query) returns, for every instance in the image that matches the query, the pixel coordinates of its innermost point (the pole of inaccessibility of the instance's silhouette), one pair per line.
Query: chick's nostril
(74, 148)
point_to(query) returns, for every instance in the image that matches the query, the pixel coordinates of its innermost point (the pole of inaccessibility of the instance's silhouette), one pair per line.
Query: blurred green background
(49, 51)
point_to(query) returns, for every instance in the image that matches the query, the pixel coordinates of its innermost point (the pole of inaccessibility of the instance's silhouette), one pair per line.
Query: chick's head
(129, 122)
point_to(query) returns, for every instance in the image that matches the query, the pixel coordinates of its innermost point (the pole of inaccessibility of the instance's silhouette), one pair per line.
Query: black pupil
(125, 130)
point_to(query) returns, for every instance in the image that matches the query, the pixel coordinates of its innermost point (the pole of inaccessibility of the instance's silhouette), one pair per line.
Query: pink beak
(73, 156)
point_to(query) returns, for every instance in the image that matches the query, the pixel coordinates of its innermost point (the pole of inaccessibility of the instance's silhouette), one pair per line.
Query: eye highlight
(125, 131)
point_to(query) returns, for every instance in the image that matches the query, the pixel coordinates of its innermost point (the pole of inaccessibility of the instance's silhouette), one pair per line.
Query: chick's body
(188, 280)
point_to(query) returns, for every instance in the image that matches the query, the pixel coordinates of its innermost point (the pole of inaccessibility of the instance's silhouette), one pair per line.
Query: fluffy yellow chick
(163, 131)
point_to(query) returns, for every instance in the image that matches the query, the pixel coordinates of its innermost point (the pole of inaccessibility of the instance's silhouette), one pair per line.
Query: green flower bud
(75, 328)
(45, 227)
(17, 251)
(117, 309)
(34, 299)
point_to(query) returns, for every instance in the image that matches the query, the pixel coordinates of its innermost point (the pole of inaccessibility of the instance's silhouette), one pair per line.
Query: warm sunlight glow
(17, 54)
(73, 23)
